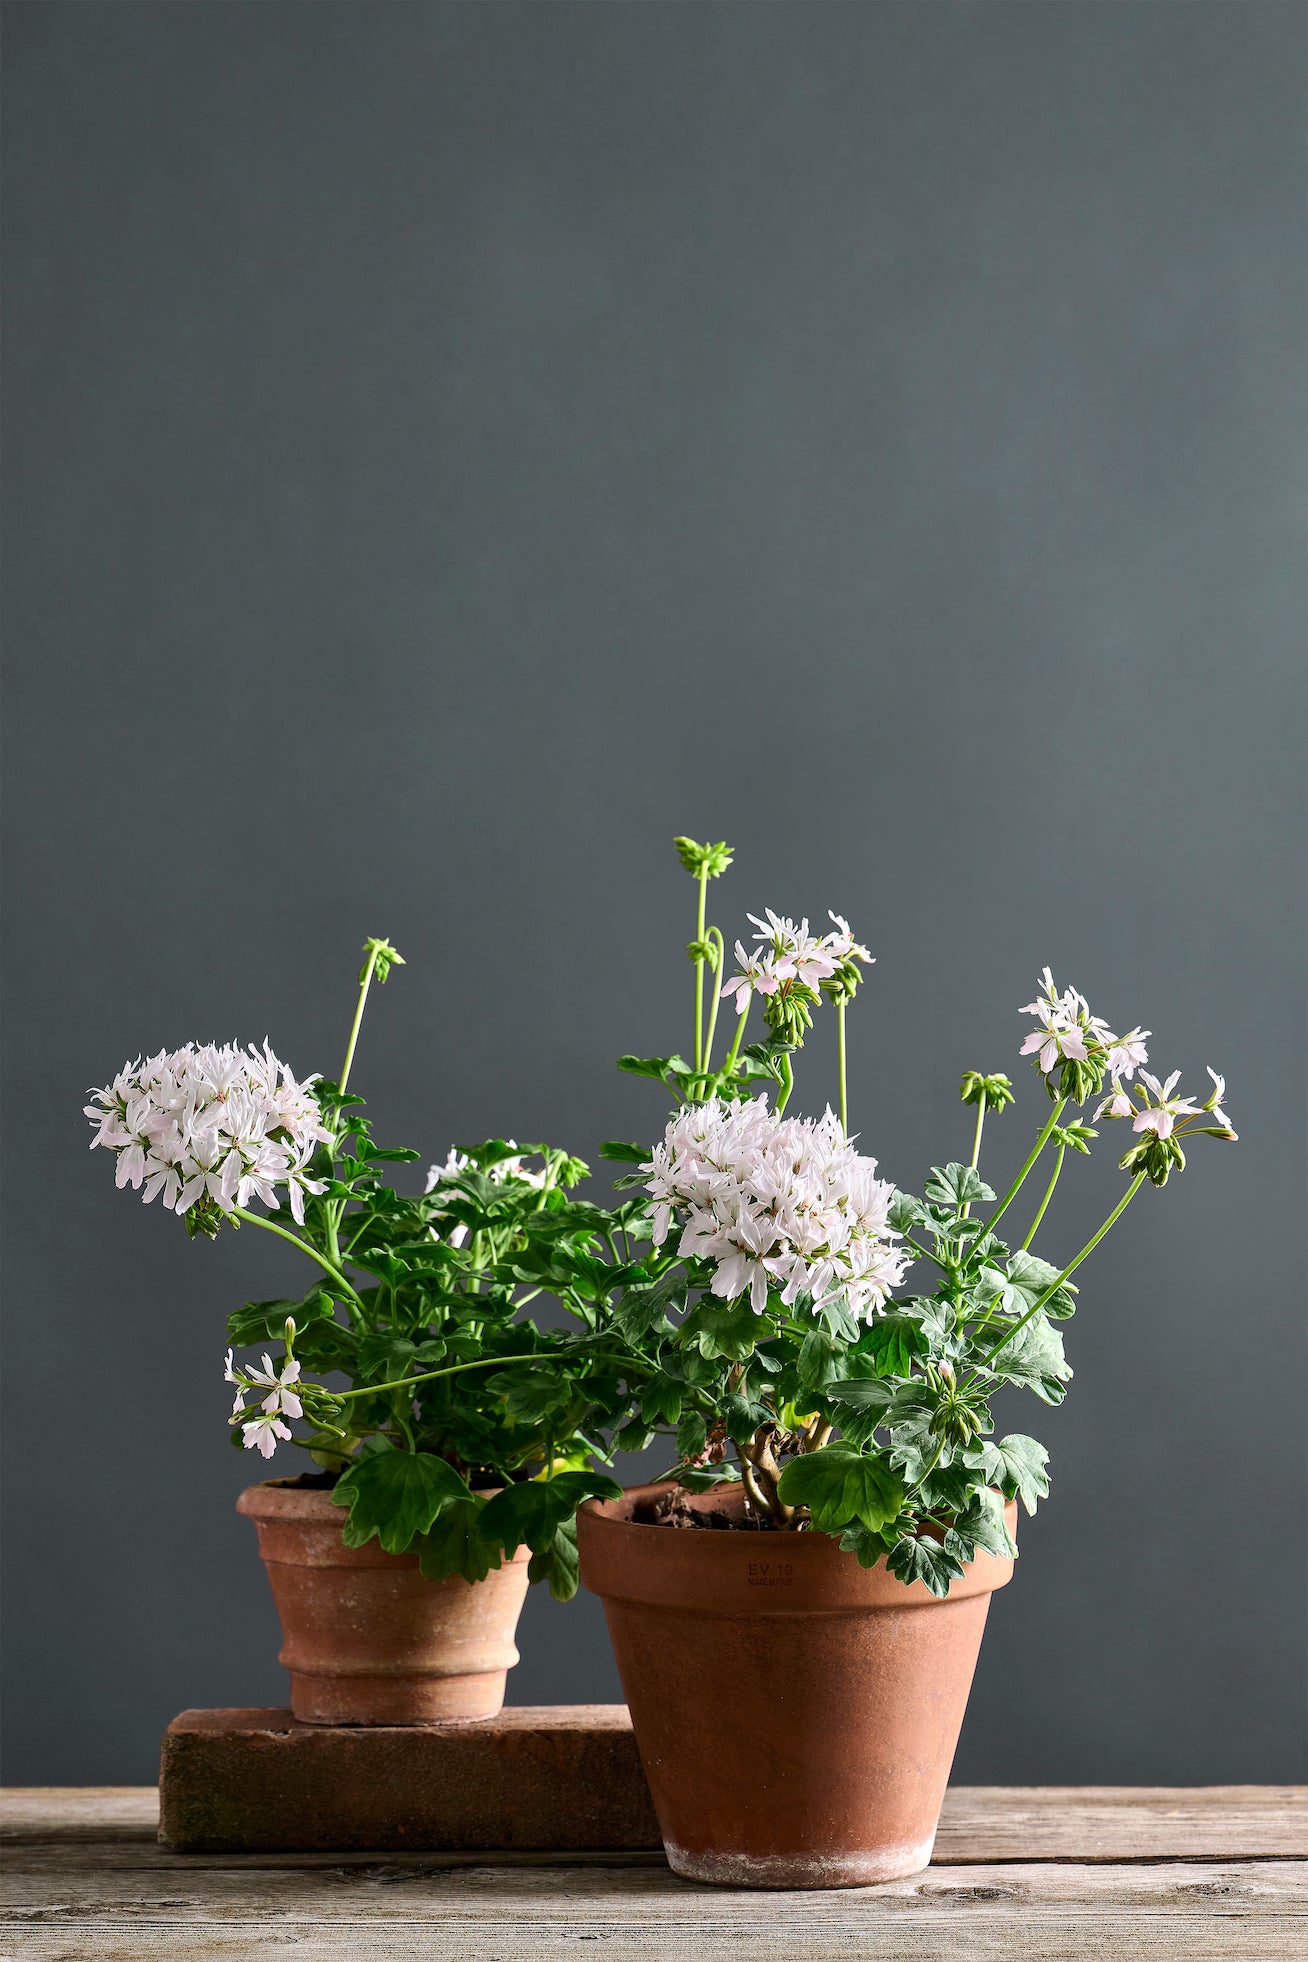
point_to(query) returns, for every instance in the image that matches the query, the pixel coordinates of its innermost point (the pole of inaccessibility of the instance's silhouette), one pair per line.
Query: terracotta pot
(796, 1714)
(366, 1638)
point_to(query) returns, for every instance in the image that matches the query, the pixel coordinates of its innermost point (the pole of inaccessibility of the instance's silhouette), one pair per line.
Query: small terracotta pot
(796, 1714)
(366, 1638)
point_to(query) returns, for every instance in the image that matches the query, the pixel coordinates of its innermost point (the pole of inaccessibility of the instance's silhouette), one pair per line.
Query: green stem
(964, 1212)
(334, 1210)
(734, 1051)
(1071, 1268)
(714, 934)
(976, 1135)
(1032, 1155)
(355, 1026)
(699, 968)
(455, 1369)
(269, 1226)
(840, 1050)
(1049, 1193)
(787, 1085)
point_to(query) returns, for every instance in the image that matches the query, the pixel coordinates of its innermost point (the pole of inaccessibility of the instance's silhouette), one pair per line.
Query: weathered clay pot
(796, 1714)
(366, 1638)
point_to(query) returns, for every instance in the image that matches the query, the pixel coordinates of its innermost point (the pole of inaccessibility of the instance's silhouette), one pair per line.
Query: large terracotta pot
(796, 1714)
(366, 1638)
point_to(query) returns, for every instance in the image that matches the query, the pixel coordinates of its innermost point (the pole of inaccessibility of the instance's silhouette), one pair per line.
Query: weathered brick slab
(561, 1777)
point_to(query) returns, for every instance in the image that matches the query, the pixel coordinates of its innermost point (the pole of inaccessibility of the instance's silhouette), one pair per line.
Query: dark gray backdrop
(452, 449)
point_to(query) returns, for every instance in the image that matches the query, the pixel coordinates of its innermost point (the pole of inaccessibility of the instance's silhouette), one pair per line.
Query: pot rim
(732, 1573)
(282, 1498)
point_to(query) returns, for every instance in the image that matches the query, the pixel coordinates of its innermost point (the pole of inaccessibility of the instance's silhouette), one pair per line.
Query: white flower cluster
(226, 1124)
(1068, 1030)
(777, 1202)
(791, 953)
(459, 1161)
(261, 1434)
(1159, 1108)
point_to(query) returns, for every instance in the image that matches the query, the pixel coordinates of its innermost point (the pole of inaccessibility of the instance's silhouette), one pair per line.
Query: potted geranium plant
(796, 1611)
(447, 1468)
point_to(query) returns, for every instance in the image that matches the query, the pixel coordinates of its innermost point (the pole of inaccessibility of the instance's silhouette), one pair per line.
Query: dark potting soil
(674, 1509)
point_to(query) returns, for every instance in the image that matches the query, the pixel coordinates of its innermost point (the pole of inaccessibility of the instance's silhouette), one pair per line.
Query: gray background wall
(452, 449)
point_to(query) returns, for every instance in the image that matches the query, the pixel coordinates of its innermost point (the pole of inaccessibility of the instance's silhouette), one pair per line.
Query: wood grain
(979, 1822)
(84, 1878)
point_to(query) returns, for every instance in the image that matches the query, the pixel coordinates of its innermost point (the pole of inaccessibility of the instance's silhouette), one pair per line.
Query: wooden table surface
(1041, 1874)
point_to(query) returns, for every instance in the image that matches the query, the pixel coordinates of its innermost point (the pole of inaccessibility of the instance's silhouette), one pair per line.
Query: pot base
(796, 1870)
(388, 1700)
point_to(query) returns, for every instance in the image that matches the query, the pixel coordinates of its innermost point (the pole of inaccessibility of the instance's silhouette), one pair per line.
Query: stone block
(560, 1777)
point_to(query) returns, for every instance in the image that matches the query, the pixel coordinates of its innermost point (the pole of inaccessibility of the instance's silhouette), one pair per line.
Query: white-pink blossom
(1126, 1053)
(797, 954)
(281, 1400)
(784, 1204)
(214, 1122)
(842, 946)
(263, 1433)
(757, 972)
(1160, 1116)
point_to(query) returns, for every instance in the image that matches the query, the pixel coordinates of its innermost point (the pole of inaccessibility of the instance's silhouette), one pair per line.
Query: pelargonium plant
(780, 1332)
(458, 1430)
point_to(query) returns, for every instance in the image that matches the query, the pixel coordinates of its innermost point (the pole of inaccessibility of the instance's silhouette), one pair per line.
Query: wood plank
(979, 1823)
(1048, 1911)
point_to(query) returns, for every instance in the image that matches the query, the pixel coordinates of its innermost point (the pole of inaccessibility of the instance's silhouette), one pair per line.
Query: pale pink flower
(263, 1433)
(281, 1398)
(797, 955)
(1115, 1104)
(1126, 1053)
(1055, 1038)
(757, 971)
(1216, 1101)
(1161, 1115)
(841, 944)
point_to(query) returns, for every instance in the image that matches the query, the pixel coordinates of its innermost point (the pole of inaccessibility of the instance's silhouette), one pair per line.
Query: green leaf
(533, 1511)
(905, 1212)
(454, 1545)
(956, 1186)
(1034, 1358)
(861, 1393)
(641, 1310)
(892, 1342)
(644, 1065)
(1016, 1465)
(692, 1435)
(531, 1394)
(731, 1332)
(981, 1524)
(838, 1485)
(264, 1321)
(1031, 1277)
(817, 1360)
(325, 1345)
(625, 1154)
(396, 1495)
(660, 1401)
(867, 1547)
(385, 1356)
(558, 1562)
(926, 1560)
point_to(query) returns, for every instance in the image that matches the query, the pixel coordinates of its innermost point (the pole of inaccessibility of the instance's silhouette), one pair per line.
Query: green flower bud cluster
(992, 1091)
(382, 957)
(710, 861)
(789, 1012)
(1159, 1157)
